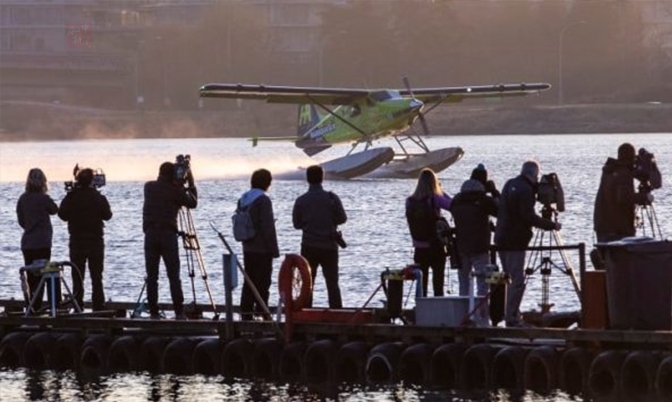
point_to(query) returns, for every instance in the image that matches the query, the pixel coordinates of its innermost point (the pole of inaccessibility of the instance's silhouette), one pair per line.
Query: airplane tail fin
(307, 119)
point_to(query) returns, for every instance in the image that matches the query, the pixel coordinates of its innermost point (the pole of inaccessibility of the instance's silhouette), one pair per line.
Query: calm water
(376, 233)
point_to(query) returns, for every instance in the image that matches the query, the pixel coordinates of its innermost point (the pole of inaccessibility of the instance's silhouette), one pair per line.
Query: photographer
(614, 214)
(318, 213)
(163, 199)
(515, 219)
(85, 209)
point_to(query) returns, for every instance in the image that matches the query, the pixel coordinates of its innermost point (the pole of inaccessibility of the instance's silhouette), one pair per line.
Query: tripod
(647, 213)
(544, 244)
(192, 249)
(51, 273)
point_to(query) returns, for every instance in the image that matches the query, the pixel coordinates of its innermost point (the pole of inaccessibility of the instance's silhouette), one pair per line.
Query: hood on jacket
(472, 186)
(249, 197)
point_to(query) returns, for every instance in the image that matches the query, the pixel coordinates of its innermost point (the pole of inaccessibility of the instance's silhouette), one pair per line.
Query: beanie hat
(480, 174)
(472, 186)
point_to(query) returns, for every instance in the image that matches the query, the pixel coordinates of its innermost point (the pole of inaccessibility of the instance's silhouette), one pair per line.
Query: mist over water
(139, 160)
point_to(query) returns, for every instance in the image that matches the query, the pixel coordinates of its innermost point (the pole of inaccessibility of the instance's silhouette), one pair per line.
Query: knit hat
(480, 174)
(472, 186)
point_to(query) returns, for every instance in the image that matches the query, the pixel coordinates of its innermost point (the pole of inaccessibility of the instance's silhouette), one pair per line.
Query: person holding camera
(260, 250)
(163, 199)
(515, 219)
(85, 209)
(423, 210)
(318, 213)
(616, 201)
(33, 212)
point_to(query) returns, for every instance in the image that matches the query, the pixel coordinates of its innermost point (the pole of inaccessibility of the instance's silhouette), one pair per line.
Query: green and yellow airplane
(330, 116)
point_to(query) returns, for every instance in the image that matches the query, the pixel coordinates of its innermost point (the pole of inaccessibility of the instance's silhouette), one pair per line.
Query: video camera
(97, 182)
(646, 172)
(550, 192)
(182, 167)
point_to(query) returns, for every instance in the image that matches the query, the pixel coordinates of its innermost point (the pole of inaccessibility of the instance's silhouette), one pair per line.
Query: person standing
(616, 201)
(163, 199)
(423, 209)
(260, 250)
(515, 219)
(85, 209)
(33, 210)
(471, 210)
(317, 213)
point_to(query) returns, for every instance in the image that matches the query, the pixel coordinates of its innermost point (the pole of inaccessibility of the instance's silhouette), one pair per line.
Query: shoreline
(57, 123)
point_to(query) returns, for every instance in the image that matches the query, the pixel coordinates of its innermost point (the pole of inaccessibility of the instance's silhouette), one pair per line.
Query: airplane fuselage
(365, 120)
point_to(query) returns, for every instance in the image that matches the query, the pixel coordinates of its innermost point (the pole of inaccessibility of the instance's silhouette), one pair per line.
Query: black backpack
(421, 218)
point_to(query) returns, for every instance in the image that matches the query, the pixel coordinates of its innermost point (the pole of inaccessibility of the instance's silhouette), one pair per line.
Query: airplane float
(330, 116)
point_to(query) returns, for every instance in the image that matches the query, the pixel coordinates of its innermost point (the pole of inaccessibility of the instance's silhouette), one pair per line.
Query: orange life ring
(295, 282)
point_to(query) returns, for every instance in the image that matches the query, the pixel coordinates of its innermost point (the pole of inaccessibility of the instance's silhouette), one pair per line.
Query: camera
(97, 181)
(182, 167)
(550, 192)
(646, 171)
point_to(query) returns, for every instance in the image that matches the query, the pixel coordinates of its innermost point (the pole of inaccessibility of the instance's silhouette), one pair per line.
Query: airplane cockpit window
(380, 96)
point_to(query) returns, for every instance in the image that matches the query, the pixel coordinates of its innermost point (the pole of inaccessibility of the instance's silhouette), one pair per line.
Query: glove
(558, 226)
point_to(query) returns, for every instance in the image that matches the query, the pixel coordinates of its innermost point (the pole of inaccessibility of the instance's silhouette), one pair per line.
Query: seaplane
(331, 116)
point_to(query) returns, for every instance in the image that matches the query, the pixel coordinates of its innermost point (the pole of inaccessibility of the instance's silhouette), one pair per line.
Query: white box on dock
(444, 311)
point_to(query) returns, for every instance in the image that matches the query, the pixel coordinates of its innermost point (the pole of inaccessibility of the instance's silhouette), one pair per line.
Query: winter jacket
(163, 200)
(85, 209)
(33, 210)
(614, 213)
(471, 211)
(440, 202)
(516, 216)
(318, 213)
(265, 240)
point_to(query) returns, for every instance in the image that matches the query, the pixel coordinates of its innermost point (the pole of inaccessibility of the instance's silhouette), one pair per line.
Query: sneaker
(155, 315)
(180, 317)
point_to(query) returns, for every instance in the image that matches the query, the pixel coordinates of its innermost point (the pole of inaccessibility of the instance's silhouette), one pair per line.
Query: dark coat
(318, 213)
(85, 209)
(614, 213)
(32, 211)
(516, 216)
(471, 212)
(163, 200)
(265, 240)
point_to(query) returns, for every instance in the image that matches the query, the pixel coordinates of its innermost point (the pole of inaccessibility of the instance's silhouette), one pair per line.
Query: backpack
(421, 219)
(243, 227)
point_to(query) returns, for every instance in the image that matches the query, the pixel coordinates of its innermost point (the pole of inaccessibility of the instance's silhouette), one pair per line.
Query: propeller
(421, 116)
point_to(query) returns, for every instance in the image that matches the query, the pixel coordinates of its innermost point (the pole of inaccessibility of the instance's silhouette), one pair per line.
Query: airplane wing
(284, 94)
(458, 94)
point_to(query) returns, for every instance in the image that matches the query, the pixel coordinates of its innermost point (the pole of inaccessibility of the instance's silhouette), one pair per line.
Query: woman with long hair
(423, 209)
(33, 211)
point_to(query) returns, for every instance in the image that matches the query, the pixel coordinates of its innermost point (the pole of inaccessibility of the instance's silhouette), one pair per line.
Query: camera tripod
(192, 249)
(544, 244)
(646, 213)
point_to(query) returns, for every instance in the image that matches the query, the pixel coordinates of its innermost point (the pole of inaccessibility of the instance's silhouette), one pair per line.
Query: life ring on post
(295, 282)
